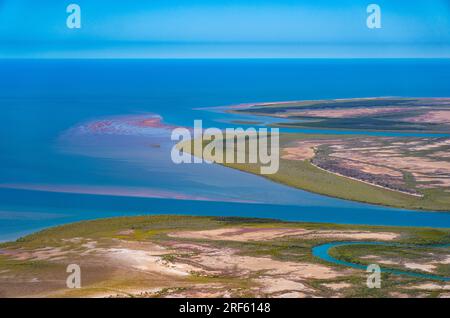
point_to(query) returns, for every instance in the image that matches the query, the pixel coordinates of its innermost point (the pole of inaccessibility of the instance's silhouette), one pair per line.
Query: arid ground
(400, 164)
(174, 256)
(404, 164)
(402, 172)
(379, 114)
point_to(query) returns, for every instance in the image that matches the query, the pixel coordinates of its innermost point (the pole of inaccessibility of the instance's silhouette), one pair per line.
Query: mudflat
(181, 256)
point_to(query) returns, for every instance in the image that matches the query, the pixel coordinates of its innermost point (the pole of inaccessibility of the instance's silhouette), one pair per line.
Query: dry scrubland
(402, 172)
(179, 256)
(415, 172)
(377, 114)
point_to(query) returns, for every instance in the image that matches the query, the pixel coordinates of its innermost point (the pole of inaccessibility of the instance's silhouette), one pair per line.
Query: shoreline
(240, 109)
(290, 185)
(428, 204)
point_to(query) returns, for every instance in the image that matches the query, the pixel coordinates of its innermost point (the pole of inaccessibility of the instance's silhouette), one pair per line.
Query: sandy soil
(423, 267)
(299, 152)
(145, 261)
(272, 276)
(445, 261)
(434, 116)
(227, 261)
(257, 234)
(305, 149)
(346, 112)
(277, 285)
(337, 286)
(147, 270)
(381, 161)
(430, 286)
(356, 235)
(239, 234)
(47, 253)
(193, 264)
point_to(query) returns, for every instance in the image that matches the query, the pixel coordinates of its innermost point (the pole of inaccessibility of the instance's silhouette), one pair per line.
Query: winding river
(322, 252)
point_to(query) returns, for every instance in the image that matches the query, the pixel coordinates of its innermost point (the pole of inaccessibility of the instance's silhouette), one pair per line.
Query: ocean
(52, 172)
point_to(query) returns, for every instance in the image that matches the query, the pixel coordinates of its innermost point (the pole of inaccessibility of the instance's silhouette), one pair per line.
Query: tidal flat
(56, 169)
(428, 115)
(401, 172)
(187, 256)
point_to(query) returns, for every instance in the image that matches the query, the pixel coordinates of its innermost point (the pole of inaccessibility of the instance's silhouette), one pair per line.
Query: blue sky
(224, 28)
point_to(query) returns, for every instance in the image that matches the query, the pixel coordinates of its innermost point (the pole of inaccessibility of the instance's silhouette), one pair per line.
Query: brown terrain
(401, 164)
(201, 257)
(343, 113)
(438, 117)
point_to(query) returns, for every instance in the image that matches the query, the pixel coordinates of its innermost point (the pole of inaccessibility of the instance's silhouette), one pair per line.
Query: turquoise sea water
(49, 176)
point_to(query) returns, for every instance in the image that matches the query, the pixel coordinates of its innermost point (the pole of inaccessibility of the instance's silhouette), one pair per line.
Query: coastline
(252, 169)
(311, 104)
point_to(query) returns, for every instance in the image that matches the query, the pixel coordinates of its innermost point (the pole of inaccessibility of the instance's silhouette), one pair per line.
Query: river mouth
(322, 252)
(91, 149)
(145, 181)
